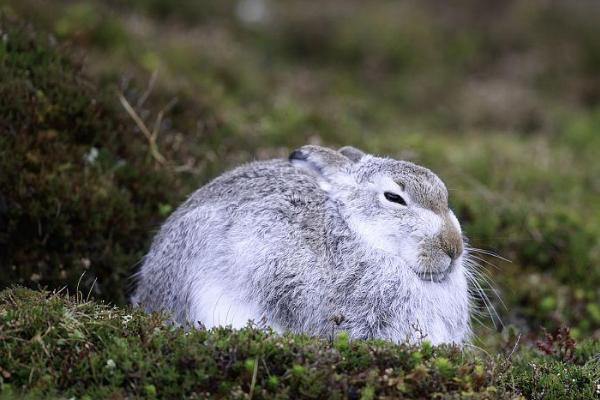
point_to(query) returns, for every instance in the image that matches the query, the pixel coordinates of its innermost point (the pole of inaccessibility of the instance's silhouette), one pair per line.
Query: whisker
(485, 261)
(479, 295)
(489, 253)
(480, 349)
(492, 287)
(487, 303)
(475, 274)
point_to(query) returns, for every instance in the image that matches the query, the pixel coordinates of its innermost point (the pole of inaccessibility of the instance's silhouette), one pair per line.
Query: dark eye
(394, 198)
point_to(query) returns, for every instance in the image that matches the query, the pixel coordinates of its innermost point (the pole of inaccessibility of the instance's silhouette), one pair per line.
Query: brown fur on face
(450, 238)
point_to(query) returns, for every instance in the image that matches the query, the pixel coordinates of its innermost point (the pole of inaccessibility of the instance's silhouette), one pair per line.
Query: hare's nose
(451, 241)
(452, 252)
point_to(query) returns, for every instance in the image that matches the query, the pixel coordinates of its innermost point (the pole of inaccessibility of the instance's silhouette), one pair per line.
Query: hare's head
(394, 206)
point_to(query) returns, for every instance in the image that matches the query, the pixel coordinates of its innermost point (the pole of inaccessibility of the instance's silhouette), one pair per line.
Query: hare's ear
(352, 153)
(321, 160)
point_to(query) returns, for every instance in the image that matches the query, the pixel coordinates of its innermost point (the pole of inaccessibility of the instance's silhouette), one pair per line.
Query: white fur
(217, 306)
(431, 223)
(372, 235)
(455, 221)
(292, 245)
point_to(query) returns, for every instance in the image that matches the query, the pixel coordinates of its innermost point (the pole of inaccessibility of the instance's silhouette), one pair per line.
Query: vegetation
(75, 181)
(112, 112)
(56, 346)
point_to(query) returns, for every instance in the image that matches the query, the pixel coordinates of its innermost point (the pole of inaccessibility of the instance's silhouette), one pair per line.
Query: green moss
(368, 393)
(342, 341)
(444, 367)
(536, 376)
(86, 23)
(78, 193)
(53, 344)
(272, 382)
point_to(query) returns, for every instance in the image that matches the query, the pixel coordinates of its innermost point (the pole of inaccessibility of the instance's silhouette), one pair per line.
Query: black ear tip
(298, 155)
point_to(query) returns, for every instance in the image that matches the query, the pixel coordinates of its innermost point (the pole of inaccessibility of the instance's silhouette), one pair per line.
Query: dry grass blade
(254, 376)
(149, 89)
(150, 136)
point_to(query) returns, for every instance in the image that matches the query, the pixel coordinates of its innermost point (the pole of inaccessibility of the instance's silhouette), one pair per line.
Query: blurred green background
(501, 99)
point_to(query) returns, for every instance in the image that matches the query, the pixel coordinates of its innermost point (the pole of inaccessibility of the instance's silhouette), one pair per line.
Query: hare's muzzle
(450, 239)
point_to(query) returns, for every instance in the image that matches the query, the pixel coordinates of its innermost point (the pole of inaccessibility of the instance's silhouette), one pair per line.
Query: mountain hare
(327, 240)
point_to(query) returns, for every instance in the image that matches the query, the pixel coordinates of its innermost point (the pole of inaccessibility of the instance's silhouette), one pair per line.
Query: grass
(80, 348)
(59, 346)
(478, 96)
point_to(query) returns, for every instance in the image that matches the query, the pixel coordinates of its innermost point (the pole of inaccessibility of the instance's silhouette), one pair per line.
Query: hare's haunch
(327, 240)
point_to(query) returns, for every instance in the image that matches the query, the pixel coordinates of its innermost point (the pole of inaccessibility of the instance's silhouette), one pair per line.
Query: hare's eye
(394, 198)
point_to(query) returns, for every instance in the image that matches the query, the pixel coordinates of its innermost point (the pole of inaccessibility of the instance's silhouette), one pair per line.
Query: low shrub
(78, 192)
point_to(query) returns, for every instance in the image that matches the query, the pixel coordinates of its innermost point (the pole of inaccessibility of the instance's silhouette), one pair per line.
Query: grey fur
(352, 153)
(309, 245)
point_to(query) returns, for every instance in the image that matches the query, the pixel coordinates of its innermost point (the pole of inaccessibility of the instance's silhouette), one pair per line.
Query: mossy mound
(54, 345)
(59, 346)
(78, 192)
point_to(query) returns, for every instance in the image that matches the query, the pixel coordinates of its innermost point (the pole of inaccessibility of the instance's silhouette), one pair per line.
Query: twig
(150, 136)
(77, 288)
(254, 376)
(514, 347)
(91, 288)
(146, 94)
(160, 116)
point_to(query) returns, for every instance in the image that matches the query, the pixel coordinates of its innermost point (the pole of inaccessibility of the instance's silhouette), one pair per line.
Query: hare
(326, 240)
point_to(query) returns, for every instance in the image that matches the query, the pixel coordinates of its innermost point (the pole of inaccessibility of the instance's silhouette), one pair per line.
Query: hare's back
(276, 180)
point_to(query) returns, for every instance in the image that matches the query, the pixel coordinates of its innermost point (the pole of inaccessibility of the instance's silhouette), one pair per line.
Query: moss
(88, 26)
(78, 193)
(444, 366)
(55, 344)
(545, 377)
